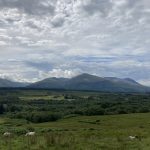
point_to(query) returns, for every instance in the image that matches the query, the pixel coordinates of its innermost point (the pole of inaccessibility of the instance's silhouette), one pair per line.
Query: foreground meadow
(110, 132)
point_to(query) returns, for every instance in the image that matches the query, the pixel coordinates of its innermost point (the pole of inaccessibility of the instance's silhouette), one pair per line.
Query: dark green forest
(33, 107)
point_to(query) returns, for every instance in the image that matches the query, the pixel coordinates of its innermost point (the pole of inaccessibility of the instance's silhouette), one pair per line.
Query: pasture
(83, 132)
(74, 120)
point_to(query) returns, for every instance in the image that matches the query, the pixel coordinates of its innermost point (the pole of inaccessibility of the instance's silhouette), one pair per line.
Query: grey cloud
(2, 23)
(49, 37)
(32, 25)
(58, 20)
(43, 66)
(94, 6)
(33, 7)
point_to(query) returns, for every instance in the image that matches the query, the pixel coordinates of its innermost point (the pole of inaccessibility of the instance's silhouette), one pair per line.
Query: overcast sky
(63, 38)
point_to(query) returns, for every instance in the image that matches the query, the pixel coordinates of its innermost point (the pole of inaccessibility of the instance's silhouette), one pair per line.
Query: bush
(95, 111)
(39, 117)
(1, 109)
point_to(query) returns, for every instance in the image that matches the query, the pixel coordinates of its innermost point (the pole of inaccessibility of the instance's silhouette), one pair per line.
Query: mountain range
(5, 83)
(83, 82)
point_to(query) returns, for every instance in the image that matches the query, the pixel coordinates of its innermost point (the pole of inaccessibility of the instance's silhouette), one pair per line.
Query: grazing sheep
(30, 134)
(7, 134)
(132, 137)
(31, 138)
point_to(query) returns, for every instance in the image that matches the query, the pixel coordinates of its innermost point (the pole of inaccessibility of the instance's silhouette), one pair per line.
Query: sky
(64, 38)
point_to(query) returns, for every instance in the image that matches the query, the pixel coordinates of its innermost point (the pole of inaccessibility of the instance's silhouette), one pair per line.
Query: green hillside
(80, 133)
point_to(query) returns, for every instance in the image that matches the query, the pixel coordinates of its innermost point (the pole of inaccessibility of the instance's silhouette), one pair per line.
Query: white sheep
(132, 137)
(7, 134)
(30, 134)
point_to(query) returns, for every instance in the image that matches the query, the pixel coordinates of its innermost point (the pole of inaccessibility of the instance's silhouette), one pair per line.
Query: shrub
(39, 117)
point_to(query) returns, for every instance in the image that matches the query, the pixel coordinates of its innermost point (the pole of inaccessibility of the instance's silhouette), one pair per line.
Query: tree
(1, 109)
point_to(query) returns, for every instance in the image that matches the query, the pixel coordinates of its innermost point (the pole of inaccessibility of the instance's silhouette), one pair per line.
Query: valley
(74, 120)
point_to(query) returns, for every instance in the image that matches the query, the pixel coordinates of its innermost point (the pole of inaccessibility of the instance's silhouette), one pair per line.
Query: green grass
(80, 133)
(41, 97)
(2, 120)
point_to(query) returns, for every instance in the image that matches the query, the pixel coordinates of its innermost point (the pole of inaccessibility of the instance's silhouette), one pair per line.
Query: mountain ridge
(83, 82)
(4, 83)
(91, 83)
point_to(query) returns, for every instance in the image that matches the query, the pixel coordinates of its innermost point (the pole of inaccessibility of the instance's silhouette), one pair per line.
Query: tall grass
(69, 141)
(82, 133)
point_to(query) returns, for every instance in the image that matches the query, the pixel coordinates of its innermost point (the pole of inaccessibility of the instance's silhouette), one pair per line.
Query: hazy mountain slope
(92, 83)
(50, 83)
(8, 83)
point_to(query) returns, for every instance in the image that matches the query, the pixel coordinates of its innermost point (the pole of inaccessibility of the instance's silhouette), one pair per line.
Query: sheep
(30, 134)
(7, 134)
(7, 139)
(135, 137)
(31, 138)
(132, 137)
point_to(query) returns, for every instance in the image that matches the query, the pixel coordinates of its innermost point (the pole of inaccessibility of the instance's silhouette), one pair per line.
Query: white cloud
(59, 73)
(68, 37)
(145, 82)
(58, 20)
(2, 43)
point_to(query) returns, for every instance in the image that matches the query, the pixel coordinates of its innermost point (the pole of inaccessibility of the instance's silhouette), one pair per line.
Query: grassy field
(79, 133)
(43, 97)
(40, 95)
(77, 120)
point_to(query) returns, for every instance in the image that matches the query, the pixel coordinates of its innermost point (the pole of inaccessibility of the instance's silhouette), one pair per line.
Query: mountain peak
(131, 80)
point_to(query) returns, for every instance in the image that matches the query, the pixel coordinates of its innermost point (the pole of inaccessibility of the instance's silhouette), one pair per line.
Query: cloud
(34, 7)
(96, 6)
(59, 73)
(145, 82)
(63, 38)
(58, 20)
(2, 43)
(32, 25)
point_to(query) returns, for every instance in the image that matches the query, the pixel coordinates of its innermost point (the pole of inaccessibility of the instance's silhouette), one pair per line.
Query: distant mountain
(50, 83)
(82, 82)
(4, 83)
(131, 80)
(91, 83)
